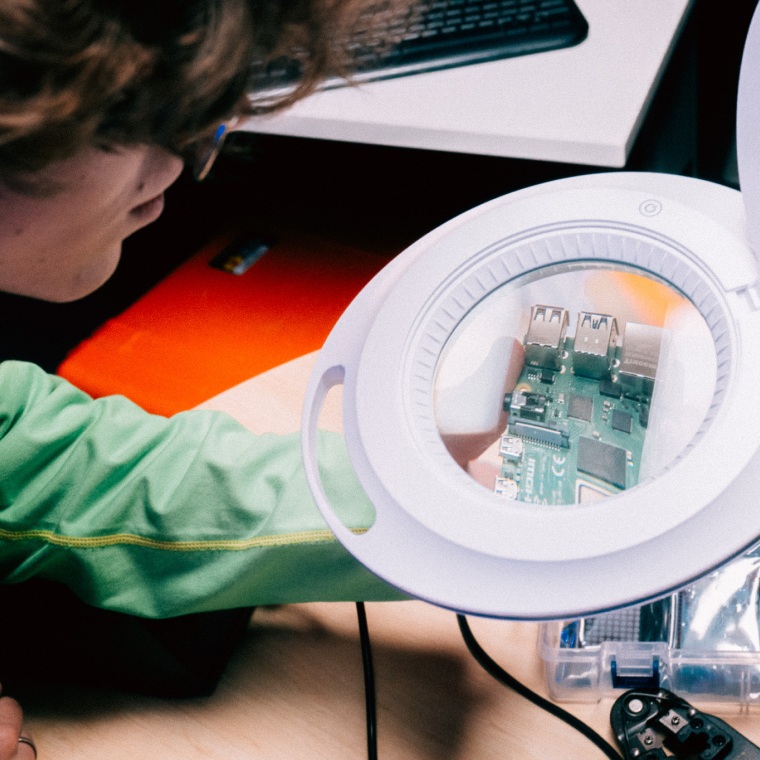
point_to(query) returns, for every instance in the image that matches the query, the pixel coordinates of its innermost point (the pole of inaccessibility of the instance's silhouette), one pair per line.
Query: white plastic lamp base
(441, 536)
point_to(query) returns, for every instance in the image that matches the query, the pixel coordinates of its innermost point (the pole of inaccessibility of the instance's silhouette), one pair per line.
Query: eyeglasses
(207, 151)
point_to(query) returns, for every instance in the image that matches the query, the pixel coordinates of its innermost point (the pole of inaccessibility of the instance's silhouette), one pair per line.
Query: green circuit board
(578, 415)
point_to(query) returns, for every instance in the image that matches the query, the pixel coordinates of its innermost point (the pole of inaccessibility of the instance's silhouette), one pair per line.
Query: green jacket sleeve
(160, 517)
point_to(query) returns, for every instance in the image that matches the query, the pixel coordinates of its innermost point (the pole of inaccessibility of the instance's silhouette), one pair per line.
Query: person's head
(100, 103)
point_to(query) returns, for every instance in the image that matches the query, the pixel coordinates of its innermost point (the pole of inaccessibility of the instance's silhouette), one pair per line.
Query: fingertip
(11, 716)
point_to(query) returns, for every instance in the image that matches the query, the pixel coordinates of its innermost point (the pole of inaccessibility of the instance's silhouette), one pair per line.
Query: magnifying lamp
(553, 400)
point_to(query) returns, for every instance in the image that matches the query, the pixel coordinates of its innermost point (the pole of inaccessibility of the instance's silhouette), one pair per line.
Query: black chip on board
(621, 421)
(602, 460)
(580, 407)
(608, 388)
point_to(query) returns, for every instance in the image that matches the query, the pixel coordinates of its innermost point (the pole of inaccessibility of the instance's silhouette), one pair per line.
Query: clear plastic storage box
(702, 643)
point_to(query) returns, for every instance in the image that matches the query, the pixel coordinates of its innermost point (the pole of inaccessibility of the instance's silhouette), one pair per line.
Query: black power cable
(369, 682)
(489, 665)
(485, 660)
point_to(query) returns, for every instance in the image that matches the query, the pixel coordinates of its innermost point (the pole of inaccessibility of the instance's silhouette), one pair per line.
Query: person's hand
(15, 743)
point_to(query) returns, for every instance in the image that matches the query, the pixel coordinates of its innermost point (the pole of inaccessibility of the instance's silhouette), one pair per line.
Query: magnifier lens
(574, 383)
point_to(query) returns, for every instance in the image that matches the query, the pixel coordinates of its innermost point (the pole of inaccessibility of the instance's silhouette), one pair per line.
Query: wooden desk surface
(294, 689)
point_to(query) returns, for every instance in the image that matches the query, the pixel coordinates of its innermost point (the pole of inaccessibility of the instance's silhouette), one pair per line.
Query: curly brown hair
(77, 73)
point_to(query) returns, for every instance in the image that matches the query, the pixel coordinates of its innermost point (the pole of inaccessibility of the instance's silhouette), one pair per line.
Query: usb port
(544, 341)
(596, 336)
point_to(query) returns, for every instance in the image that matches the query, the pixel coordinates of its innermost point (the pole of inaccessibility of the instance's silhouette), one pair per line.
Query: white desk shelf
(579, 105)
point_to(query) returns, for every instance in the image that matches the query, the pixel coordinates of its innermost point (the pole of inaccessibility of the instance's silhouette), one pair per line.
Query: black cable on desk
(369, 682)
(492, 667)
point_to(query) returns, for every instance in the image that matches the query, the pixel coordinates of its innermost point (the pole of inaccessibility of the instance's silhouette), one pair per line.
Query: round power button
(650, 207)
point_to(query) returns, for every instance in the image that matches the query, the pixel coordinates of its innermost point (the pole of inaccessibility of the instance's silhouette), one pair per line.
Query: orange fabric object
(202, 329)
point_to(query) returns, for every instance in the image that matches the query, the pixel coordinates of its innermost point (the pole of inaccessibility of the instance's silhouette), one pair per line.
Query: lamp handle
(325, 376)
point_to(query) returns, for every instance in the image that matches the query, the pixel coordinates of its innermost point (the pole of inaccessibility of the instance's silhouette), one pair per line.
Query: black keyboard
(438, 34)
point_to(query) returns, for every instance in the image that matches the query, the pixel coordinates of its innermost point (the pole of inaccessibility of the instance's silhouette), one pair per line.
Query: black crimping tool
(655, 724)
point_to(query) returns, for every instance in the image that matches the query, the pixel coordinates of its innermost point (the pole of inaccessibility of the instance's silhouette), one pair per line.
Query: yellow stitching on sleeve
(96, 542)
